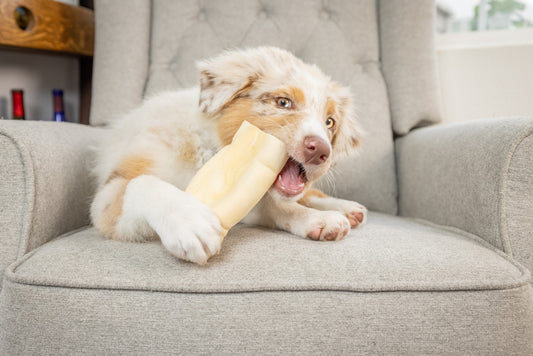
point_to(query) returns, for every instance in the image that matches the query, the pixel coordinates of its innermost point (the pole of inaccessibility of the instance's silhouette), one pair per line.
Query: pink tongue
(289, 179)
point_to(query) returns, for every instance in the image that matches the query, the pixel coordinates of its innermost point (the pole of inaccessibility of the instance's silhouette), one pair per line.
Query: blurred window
(483, 15)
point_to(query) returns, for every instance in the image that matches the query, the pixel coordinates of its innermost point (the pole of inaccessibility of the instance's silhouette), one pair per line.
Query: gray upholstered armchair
(440, 268)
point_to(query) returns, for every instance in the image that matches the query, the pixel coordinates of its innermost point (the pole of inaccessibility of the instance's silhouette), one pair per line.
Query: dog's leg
(147, 207)
(355, 212)
(298, 219)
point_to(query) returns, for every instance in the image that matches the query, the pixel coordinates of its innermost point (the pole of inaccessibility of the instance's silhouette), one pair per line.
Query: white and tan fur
(150, 155)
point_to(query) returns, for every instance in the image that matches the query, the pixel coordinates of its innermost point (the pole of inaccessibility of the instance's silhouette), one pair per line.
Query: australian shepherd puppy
(151, 154)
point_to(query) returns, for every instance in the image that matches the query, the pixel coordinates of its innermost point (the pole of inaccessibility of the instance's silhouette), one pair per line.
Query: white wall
(486, 74)
(38, 74)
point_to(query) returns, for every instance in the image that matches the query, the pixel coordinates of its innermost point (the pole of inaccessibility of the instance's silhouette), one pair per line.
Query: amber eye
(284, 103)
(330, 123)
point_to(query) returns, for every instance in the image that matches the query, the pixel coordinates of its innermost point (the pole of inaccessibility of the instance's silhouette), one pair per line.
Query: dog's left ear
(350, 134)
(224, 78)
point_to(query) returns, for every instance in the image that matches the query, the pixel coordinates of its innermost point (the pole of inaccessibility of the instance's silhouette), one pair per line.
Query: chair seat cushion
(387, 254)
(394, 286)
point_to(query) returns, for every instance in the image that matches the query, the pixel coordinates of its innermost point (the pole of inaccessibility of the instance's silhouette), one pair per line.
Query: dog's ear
(350, 134)
(224, 78)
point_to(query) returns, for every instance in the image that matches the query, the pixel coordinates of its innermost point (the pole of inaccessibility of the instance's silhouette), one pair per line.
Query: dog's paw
(354, 212)
(190, 230)
(327, 226)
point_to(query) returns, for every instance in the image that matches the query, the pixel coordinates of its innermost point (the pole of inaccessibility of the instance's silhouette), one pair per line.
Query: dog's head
(287, 98)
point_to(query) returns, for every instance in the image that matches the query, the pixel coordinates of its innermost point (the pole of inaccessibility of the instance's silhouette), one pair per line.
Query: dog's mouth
(291, 180)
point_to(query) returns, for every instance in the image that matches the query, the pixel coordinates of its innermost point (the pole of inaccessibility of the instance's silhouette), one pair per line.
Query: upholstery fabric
(341, 37)
(476, 176)
(408, 62)
(12, 188)
(45, 187)
(517, 205)
(66, 321)
(121, 55)
(186, 31)
(271, 292)
(377, 257)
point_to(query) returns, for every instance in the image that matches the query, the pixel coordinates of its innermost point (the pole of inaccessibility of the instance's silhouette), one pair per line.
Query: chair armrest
(45, 183)
(476, 176)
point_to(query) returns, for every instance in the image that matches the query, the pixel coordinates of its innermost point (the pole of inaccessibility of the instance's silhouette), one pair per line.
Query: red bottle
(18, 104)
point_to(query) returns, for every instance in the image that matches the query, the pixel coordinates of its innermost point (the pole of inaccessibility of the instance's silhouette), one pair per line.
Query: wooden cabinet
(53, 27)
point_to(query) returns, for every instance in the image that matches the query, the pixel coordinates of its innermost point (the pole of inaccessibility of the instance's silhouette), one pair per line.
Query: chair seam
(29, 193)
(148, 67)
(504, 179)
(12, 268)
(10, 278)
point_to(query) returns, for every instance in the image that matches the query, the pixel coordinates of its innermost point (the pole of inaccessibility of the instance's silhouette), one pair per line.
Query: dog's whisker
(330, 180)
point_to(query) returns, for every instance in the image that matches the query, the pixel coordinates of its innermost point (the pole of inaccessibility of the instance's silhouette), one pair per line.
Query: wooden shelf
(53, 27)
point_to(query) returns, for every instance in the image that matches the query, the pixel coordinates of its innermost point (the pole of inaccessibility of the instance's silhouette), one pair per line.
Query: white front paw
(190, 230)
(355, 212)
(326, 226)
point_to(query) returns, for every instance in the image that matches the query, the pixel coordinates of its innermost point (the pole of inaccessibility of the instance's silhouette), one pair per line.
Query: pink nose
(316, 150)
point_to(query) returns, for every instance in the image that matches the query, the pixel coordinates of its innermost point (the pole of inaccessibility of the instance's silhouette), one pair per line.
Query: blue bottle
(59, 111)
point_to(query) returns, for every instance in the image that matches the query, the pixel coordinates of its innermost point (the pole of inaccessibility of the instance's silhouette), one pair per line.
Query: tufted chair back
(382, 49)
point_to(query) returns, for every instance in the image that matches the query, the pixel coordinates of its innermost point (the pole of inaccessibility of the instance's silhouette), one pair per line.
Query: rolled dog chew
(234, 180)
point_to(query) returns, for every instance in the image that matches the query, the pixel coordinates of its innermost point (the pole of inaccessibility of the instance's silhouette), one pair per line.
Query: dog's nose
(316, 150)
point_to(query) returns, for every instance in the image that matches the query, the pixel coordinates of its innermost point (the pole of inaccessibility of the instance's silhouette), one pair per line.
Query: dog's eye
(284, 103)
(330, 123)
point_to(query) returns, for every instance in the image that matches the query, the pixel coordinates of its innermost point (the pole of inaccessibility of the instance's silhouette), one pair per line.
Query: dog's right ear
(224, 78)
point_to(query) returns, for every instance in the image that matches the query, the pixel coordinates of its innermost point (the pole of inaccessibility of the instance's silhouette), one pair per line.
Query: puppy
(151, 154)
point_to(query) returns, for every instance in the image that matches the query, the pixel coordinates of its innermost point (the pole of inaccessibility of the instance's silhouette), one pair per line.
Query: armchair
(440, 268)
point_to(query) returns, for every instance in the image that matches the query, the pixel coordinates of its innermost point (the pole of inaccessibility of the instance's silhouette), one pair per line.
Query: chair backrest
(382, 49)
